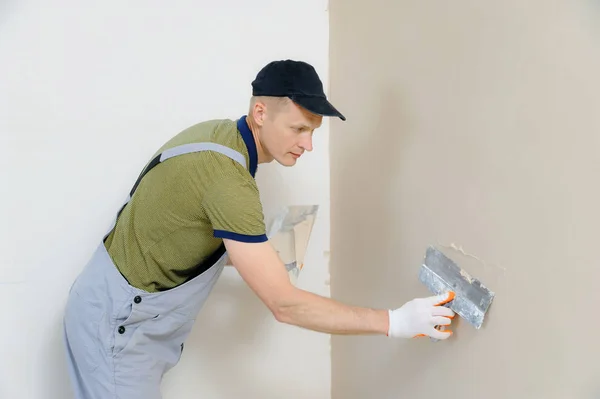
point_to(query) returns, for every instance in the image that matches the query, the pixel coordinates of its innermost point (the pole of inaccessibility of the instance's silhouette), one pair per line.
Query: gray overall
(120, 340)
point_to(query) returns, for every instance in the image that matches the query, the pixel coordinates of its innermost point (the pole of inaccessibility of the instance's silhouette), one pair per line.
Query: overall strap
(173, 152)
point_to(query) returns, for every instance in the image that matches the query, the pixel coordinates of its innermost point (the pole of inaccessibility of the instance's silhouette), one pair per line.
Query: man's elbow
(285, 306)
(285, 315)
(279, 314)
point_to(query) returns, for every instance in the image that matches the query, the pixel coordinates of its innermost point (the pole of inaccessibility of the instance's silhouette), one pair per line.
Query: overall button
(121, 330)
(137, 299)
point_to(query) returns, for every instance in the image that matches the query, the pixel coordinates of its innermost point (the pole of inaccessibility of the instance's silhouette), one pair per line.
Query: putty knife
(440, 274)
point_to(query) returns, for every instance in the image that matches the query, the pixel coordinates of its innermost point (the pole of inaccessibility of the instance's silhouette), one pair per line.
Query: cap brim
(318, 105)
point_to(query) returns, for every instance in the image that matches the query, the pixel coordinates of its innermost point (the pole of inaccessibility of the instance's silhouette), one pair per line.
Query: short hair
(274, 103)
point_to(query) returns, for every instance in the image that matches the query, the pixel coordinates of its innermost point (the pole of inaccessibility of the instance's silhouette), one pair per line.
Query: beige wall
(475, 124)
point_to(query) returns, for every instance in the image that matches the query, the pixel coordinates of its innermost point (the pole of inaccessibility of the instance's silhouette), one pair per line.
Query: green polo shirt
(184, 207)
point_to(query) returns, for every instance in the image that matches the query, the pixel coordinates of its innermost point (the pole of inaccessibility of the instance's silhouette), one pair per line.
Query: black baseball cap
(297, 80)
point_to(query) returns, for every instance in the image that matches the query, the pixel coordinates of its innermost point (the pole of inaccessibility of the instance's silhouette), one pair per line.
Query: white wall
(88, 93)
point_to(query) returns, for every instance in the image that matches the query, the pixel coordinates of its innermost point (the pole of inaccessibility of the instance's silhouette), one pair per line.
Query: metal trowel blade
(440, 274)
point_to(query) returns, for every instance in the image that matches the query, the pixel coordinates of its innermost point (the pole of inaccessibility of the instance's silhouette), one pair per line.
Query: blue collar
(244, 129)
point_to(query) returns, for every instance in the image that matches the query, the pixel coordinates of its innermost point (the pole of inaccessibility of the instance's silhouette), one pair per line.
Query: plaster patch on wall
(460, 249)
(466, 276)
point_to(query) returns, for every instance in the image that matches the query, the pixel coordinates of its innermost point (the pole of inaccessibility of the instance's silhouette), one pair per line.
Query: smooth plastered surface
(473, 127)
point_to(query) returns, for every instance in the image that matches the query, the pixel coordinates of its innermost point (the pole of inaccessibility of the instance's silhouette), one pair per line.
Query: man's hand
(420, 316)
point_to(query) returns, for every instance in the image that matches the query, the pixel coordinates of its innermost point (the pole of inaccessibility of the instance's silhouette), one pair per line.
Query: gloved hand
(420, 316)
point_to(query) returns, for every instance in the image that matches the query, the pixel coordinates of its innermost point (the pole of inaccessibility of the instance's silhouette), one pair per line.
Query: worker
(195, 204)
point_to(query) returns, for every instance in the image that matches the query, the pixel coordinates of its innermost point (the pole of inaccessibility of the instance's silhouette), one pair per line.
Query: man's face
(287, 132)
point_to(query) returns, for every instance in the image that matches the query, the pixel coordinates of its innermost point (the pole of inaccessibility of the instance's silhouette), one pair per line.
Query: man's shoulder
(222, 132)
(219, 131)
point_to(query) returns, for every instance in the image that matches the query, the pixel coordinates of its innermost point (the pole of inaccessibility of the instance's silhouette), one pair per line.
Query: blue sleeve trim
(240, 237)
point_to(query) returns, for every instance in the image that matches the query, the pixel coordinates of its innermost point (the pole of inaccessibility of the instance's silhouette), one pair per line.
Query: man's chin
(287, 160)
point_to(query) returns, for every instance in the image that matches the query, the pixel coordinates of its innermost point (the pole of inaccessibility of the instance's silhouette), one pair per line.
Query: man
(131, 309)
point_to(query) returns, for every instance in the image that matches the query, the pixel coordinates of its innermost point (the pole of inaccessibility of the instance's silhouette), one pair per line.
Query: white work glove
(420, 317)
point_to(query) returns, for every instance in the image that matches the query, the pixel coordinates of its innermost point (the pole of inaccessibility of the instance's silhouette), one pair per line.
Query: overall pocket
(154, 344)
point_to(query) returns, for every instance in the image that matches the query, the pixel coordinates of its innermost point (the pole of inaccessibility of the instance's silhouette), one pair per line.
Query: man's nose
(306, 143)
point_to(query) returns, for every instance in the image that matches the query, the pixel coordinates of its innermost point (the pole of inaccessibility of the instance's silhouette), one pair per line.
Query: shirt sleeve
(234, 208)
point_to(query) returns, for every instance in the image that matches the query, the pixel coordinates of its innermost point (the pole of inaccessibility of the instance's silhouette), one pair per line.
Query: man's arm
(262, 269)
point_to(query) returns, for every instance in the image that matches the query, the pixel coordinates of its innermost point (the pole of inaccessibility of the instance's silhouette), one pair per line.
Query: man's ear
(259, 111)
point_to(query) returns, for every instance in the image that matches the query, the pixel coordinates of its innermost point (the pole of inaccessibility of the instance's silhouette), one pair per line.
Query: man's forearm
(317, 313)
(264, 272)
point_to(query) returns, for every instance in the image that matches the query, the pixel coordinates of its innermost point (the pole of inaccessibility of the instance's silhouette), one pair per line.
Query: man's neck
(262, 156)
